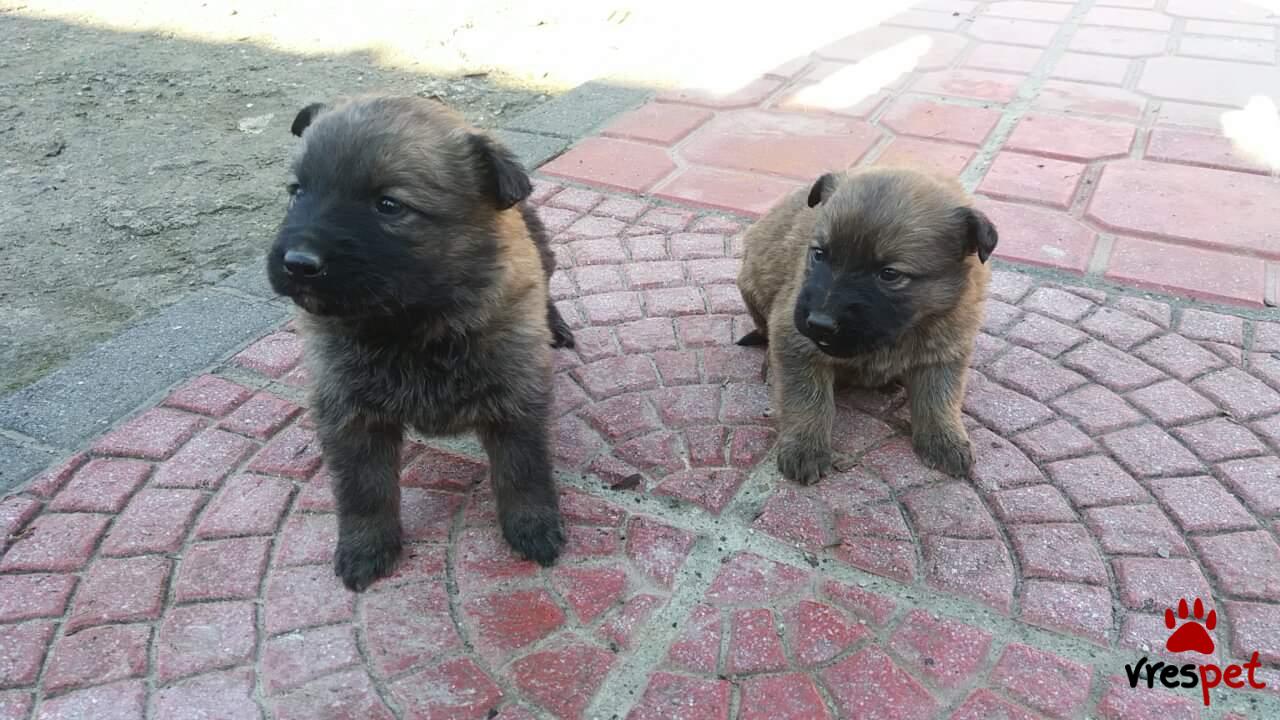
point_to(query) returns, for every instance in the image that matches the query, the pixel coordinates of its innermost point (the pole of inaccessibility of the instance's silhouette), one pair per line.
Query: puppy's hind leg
(561, 333)
(759, 336)
(528, 507)
(363, 459)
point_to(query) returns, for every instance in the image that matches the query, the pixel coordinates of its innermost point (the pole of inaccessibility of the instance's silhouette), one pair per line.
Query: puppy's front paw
(537, 533)
(362, 557)
(951, 453)
(803, 462)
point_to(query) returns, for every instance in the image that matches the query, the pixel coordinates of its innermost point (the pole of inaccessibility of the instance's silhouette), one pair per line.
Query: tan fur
(523, 289)
(522, 277)
(930, 358)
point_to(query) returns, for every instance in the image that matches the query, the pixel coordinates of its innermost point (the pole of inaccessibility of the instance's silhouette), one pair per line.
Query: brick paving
(1126, 458)
(1128, 447)
(1095, 133)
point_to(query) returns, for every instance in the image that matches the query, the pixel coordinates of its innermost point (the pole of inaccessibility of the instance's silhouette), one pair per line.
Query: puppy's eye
(889, 275)
(389, 206)
(817, 254)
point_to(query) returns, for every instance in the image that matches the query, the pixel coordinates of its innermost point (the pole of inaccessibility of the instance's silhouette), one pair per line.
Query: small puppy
(870, 277)
(423, 280)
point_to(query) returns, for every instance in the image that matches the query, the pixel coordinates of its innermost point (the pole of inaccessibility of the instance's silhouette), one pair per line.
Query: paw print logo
(1191, 635)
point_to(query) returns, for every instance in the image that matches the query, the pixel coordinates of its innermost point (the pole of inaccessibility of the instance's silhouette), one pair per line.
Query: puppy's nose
(821, 323)
(303, 263)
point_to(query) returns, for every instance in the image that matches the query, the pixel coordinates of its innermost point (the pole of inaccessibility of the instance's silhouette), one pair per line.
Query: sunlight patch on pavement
(715, 46)
(1255, 131)
(1271, 6)
(851, 85)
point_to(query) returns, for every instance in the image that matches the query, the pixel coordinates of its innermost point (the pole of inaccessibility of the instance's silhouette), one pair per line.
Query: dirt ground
(137, 167)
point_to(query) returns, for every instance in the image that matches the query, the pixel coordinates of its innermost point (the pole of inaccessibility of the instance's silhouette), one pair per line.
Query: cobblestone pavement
(1096, 132)
(1126, 458)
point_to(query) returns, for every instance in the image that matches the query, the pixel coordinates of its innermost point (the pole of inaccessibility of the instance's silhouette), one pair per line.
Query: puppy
(423, 280)
(870, 277)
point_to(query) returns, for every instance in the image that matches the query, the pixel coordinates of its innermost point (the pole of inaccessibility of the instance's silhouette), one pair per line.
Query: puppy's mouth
(301, 296)
(846, 347)
(308, 301)
(305, 298)
(839, 351)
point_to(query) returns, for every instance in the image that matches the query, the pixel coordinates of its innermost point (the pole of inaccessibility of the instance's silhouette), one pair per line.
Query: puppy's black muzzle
(298, 264)
(302, 264)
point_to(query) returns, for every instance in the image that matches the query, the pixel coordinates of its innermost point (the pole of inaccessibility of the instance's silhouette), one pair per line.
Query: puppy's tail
(753, 338)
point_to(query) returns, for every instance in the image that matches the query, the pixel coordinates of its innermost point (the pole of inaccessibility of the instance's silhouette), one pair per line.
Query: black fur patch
(981, 235)
(822, 189)
(506, 179)
(304, 117)
(866, 316)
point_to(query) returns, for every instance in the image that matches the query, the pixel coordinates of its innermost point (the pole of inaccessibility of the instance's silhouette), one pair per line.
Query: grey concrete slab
(532, 149)
(19, 462)
(580, 111)
(88, 394)
(251, 279)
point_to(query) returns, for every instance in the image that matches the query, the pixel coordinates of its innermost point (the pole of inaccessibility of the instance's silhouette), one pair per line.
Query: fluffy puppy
(422, 277)
(869, 278)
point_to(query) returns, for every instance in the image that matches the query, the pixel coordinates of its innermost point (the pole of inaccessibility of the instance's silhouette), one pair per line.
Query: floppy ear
(304, 117)
(980, 233)
(822, 189)
(503, 175)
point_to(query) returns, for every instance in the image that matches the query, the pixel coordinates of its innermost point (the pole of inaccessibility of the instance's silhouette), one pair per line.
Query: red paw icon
(1191, 635)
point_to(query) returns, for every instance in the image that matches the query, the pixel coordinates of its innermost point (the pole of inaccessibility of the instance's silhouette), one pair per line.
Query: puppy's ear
(304, 117)
(822, 189)
(979, 232)
(504, 177)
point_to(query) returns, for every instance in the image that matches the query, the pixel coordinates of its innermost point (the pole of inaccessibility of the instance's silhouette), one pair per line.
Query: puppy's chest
(895, 362)
(442, 387)
(873, 370)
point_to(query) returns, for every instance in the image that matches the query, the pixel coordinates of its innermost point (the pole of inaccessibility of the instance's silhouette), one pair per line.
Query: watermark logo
(1191, 636)
(1190, 633)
